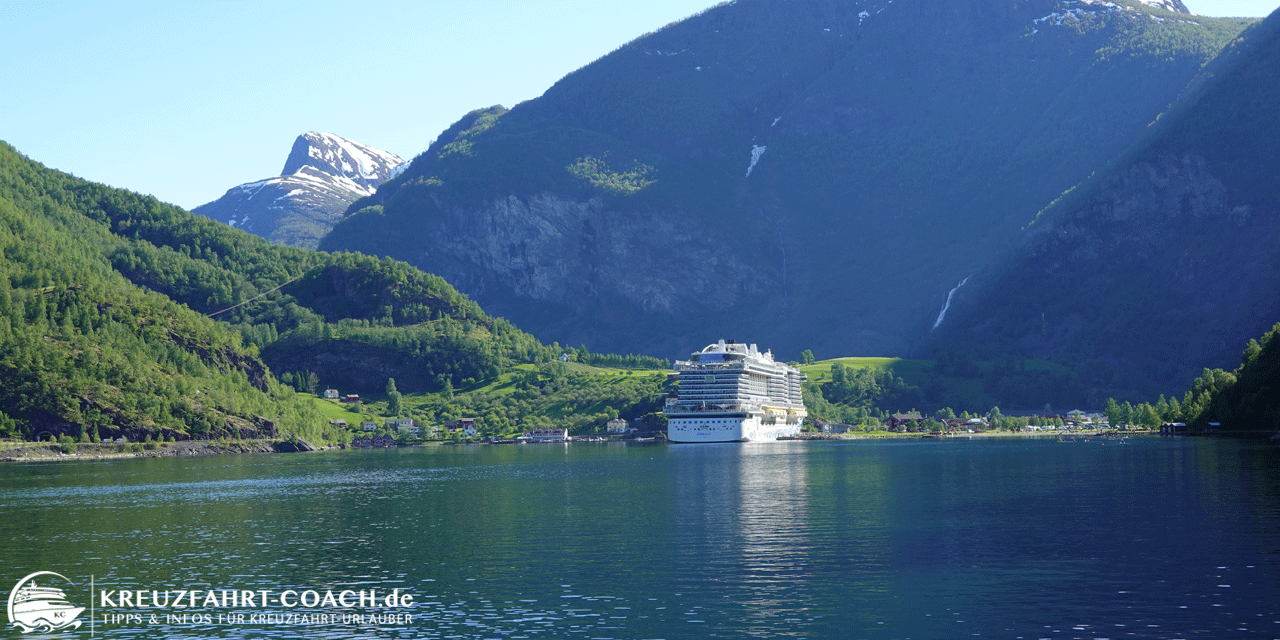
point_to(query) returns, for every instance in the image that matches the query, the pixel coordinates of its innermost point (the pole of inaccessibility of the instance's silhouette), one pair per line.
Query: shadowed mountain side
(1168, 262)
(810, 174)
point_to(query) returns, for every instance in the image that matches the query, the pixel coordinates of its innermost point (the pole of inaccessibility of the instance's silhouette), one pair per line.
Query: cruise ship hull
(726, 428)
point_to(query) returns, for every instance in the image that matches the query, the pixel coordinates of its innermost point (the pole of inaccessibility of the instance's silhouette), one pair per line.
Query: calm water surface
(999, 538)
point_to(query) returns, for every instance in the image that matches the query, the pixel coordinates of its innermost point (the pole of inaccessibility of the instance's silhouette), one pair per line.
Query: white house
(398, 423)
(330, 394)
(403, 425)
(368, 426)
(617, 425)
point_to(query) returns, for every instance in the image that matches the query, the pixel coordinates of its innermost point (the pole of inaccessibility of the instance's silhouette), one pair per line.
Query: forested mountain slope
(1163, 264)
(814, 174)
(122, 315)
(1250, 400)
(84, 352)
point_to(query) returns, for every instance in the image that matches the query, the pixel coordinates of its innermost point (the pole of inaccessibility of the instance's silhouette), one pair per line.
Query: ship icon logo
(33, 607)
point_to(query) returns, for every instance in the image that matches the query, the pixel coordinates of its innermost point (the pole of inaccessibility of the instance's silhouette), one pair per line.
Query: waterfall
(947, 305)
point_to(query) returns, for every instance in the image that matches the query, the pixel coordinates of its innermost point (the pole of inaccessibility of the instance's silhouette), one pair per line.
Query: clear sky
(184, 100)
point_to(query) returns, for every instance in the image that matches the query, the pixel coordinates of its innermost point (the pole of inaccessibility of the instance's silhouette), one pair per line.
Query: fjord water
(1000, 537)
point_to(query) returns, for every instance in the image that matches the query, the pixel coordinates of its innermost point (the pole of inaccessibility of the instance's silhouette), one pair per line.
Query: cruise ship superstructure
(731, 392)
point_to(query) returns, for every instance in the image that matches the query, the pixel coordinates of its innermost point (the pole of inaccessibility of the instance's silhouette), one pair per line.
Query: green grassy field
(332, 409)
(821, 370)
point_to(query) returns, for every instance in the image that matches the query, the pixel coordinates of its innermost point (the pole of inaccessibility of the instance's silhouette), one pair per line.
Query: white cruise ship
(731, 392)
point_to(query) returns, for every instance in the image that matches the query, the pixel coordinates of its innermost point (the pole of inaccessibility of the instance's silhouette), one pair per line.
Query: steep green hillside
(1163, 264)
(353, 320)
(806, 175)
(84, 353)
(1250, 402)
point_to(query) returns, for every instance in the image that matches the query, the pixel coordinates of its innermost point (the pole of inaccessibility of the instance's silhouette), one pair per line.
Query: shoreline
(982, 434)
(52, 452)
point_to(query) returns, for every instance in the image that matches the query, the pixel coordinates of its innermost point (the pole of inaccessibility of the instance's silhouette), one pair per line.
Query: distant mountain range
(323, 175)
(816, 174)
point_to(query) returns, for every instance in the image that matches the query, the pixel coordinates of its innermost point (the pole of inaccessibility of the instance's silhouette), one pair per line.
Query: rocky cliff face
(323, 175)
(562, 260)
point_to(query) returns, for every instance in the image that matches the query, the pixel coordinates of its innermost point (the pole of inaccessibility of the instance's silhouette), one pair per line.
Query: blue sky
(184, 100)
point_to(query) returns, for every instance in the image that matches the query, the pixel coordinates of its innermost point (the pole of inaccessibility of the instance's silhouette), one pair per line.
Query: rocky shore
(47, 451)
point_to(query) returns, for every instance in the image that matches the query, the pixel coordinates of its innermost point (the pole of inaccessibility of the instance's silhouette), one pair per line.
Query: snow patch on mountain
(341, 158)
(757, 150)
(1074, 9)
(1175, 6)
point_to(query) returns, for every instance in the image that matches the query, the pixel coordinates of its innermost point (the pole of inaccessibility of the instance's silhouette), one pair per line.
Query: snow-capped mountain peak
(340, 157)
(323, 175)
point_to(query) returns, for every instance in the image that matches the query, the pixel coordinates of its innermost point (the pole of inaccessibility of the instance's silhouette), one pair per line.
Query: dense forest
(1246, 399)
(86, 354)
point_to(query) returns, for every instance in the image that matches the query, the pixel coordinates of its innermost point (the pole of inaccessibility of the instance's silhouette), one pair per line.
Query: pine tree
(393, 398)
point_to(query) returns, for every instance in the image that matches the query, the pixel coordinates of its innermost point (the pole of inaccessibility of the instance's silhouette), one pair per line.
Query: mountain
(323, 175)
(124, 316)
(1163, 263)
(86, 353)
(806, 174)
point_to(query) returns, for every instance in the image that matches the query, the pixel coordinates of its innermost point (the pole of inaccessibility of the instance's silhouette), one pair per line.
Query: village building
(330, 394)
(903, 420)
(616, 425)
(466, 427)
(404, 426)
(368, 426)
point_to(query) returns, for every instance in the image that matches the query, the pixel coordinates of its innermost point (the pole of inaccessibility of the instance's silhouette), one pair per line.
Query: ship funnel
(722, 344)
(754, 350)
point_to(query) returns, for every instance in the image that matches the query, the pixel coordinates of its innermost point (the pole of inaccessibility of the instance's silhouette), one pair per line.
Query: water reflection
(1156, 539)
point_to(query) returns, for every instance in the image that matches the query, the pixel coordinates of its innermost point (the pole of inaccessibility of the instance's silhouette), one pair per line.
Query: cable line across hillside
(277, 287)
